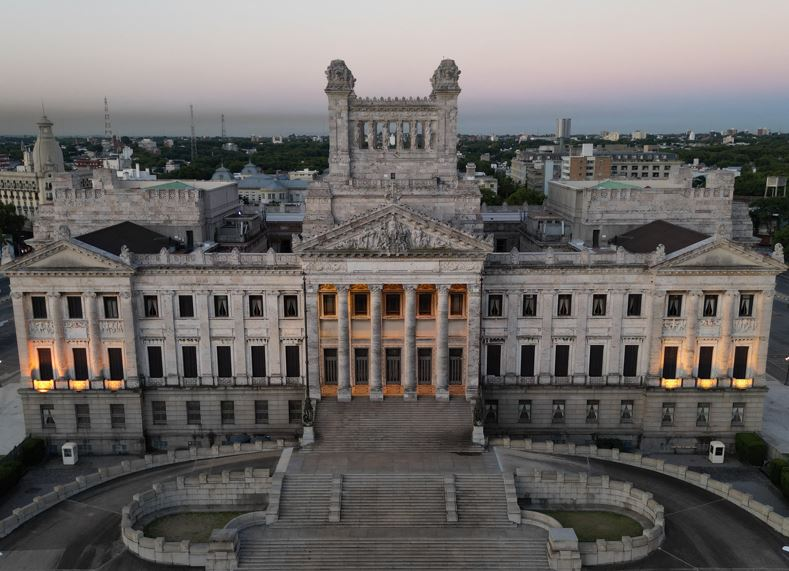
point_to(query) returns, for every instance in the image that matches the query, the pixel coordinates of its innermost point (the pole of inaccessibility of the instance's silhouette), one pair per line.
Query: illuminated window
(329, 304)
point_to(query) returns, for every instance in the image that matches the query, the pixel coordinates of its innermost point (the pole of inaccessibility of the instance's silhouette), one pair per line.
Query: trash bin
(717, 452)
(69, 453)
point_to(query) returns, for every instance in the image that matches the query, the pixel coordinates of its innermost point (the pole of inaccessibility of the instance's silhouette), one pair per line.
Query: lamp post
(786, 378)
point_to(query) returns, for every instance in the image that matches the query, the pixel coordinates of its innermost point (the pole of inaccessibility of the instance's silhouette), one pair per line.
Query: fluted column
(313, 341)
(655, 336)
(129, 340)
(21, 326)
(615, 353)
(343, 345)
(94, 335)
(60, 359)
(385, 136)
(581, 312)
(409, 347)
(722, 361)
(472, 361)
(376, 392)
(547, 307)
(204, 348)
(688, 361)
(442, 344)
(412, 134)
(399, 135)
(237, 301)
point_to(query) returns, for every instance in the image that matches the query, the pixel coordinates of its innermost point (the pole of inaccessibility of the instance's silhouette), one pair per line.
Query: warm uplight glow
(113, 385)
(78, 385)
(43, 386)
(742, 383)
(706, 383)
(671, 383)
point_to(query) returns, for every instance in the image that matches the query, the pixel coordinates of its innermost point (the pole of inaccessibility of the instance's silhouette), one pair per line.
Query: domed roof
(47, 154)
(249, 169)
(222, 174)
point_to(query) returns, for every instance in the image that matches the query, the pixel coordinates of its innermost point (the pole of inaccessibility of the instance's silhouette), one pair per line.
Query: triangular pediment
(395, 230)
(68, 255)
(722, 255)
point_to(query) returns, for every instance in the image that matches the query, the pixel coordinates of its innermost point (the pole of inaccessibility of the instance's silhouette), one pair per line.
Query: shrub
(750, 448)
(32, 451)
(10, 473)
(785, 482)
(774, 469)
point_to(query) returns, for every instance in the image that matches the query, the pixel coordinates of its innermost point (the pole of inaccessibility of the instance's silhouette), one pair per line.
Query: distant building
(304, 174)
(277, 140)
(484, 182)
(169, 143)
(586, 168)
(87, 163)
(5, 162)
(638, 135)
(613, 136)
(728, 139)
(762, 132)
(232, 147)
(135, 174)
(148, 145)
(691, 136)
(775, 186)
(563, 128)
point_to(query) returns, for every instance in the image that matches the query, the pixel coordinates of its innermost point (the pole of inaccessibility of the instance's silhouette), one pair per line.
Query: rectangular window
(738, 413)
(524, 411)
(221, 306)
(495, 305)
(562, 361)
(634, 305)
(361, 365)
(47, 418)
(360, 304)
(186, 306)
(290, 306)
(261, 412)
(527, 360)
(258, 360)
(115, 356)
(80, 356)
(82, 412)
(670, 362)
(424, 303)
(329, 304)
(703, 414)
(224, 365)
(39, 303)
(710, 308)
(456, 303)
(592, 411)
(292, 364)
(596, 360)
(493, 361)
(704, 370)
(151, 305)
(159, 412)
(193, 412)
(110, 306)
(674, 305)
(455, 366)
(256, 306)
(425, 365)
(74, 303)
(557, 412)
(294, 411)
(330, 366)
(155, 369)
(740, 369)
(491, 411)
(189, 356)
(392, 365)
(529, 308)
(746, 305)
(392, 304)
(564, 305)
(630, 367)
(117, 416)
(667, 416)
(599, 304)
(45, 370)
(626, 411)
(227, 408)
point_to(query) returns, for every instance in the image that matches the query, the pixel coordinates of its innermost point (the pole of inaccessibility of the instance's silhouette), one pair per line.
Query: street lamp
(786, 378)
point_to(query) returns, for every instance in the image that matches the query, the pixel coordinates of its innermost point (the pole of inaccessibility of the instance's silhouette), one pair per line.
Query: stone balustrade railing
(760, 510)
(548, 257)
(102, 475)
(240, 490)
(200, 258)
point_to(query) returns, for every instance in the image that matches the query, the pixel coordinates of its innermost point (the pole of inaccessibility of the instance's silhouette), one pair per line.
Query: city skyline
(704, 66)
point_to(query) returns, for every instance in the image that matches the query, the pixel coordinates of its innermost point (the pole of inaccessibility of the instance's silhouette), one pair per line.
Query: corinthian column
(94, 335)
(409, 347)
(343, 346)
(691, 331)
(129, 340)
(313, 341)
(722, 366)
(442, 344)
(21, 326)
(376, 393)
(61, 361)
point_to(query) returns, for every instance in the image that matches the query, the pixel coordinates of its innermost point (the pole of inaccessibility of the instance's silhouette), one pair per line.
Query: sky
(616, 65)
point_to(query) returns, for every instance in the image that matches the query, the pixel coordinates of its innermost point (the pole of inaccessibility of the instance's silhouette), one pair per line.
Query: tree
(782, 236)
(11, 223)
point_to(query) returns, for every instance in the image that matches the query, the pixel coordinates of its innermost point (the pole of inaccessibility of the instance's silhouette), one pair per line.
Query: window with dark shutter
(596, 360)
(39, 304)
(529, 308)
(527, 360)
(258, 360)
(740, 369)
(80, 355)
(186, 306)
(116, 363)
(493, 366)
(674, 306)
(45, 370)
(562, 361)
(670, 362)
(224, 367)
(292, 365)
(361, 365)
(74, 303)
(705, 363)
(329, 366)
(630, 368)
(189, 356)
(155, 369)
(110, 307)
(455, 366)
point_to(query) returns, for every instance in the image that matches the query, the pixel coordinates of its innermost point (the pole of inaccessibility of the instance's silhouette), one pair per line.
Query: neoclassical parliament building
(395, 286)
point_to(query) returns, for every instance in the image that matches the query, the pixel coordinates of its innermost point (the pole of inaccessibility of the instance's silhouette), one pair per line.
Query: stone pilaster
(616, 308)
(688, 359)
(412, 134)
(547, 307)
(722, 362)
(167, 312)
(581, 311)
(343, 346)
(313, 341)
(61, 360)
(376, 391)
(275, 371)
(763, 328)
(23, 347)
(238, 312)
(474, 292)
(95, 352)
(204, 312)
(129, 340)
(442, 344)
(655, 335)
(409, 347)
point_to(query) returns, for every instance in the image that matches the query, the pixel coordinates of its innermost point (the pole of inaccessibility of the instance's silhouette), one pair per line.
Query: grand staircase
(393, 500)
(304, 500)
(481, 500)
(393, 425)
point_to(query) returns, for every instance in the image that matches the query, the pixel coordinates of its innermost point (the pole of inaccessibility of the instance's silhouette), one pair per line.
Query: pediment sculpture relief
(393, 236)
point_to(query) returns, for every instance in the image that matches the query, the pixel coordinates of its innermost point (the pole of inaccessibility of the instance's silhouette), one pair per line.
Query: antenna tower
(107, 122)
(192, 123)
(224, 132)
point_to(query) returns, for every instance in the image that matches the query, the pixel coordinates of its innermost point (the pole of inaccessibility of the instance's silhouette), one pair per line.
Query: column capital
(442, 288)
(53, 295)
(375, 288)
(695, 293)
(409, 288)
(731, 292)
(342, 288)
(17, 295)
(127, 294)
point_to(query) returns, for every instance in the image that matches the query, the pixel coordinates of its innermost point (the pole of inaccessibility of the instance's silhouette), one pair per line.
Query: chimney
(471, 171)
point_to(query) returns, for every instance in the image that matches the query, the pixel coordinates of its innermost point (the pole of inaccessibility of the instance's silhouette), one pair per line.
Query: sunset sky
(662, 66)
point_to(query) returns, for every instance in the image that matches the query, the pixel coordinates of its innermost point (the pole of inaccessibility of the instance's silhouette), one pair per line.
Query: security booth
(717, 452)
(69, 453)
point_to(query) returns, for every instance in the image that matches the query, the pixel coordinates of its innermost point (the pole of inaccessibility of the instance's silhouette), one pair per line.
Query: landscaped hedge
(28, 453)
(32, 451)
(10, 473)
(750, 448)
(774, 469)
(785, 482)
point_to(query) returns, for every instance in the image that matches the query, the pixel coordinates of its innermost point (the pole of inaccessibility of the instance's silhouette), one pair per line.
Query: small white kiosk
(69, 453)
(717, 452)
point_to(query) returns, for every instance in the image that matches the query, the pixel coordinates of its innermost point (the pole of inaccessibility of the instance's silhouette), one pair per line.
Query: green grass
(593, 525)
(194, 526)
